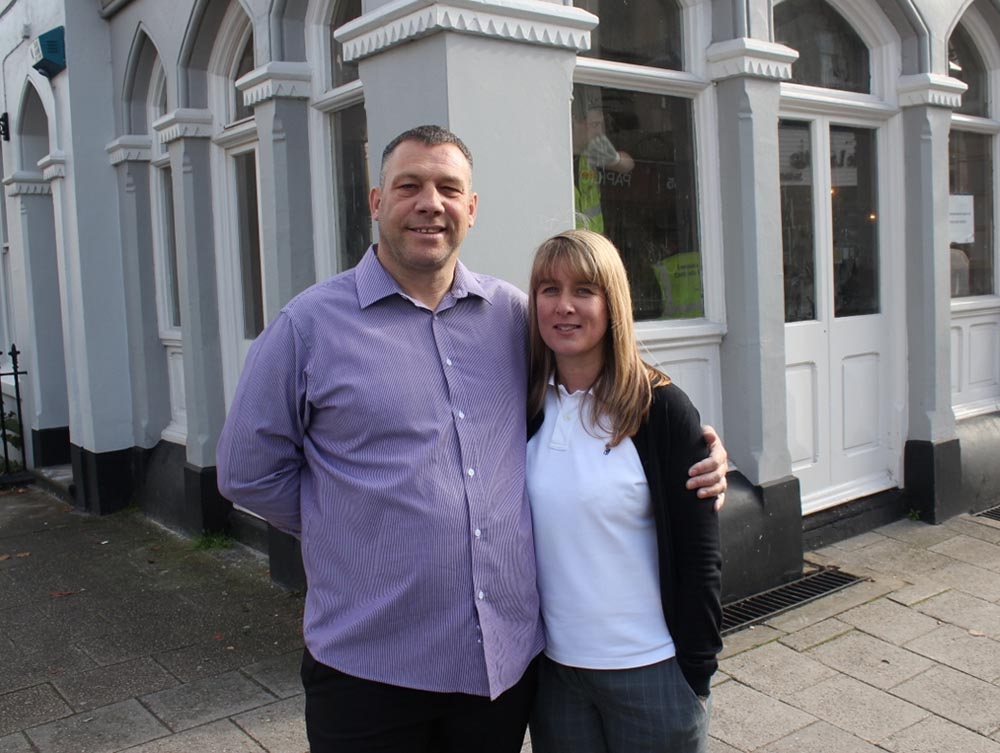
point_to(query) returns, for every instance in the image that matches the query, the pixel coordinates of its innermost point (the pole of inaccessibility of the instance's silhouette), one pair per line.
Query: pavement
(118, 635)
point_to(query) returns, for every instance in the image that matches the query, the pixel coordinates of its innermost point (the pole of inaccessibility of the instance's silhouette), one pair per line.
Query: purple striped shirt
(391, 439)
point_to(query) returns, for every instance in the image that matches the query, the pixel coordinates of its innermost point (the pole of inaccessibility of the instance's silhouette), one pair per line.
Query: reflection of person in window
(593, 151)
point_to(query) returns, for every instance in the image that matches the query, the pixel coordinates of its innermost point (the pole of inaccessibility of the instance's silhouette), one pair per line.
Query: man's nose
(429, 200)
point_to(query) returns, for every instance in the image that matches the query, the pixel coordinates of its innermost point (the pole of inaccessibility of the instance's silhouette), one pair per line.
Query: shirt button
(477, 533)
(471, 472)
(461, 414)
(567, 417)
(448, 361)
(481, 596)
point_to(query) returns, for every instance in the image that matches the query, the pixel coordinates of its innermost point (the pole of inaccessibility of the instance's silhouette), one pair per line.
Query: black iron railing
(12, 428)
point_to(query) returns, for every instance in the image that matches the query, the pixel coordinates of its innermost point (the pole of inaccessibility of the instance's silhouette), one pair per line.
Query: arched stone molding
(35, 124)
(141, 70)
(288, 22)
(210, 24)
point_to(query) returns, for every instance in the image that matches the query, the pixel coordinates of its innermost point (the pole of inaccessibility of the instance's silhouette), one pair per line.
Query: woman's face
(572, 317)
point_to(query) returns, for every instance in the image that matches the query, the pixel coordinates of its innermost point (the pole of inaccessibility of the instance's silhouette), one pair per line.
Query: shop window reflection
(350, 135)
(641, 32)
(634, 182)
(797, 226)
(971, 181)
(831, 54)
(853, 177)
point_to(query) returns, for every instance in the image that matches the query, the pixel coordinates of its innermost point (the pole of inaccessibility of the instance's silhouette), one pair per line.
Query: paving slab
(202, 701)
(279, 727)
(956, 647)
(893, 557)
(106, 685)
(748, 638)
(870, 660)
(279, 674)
(980, 528)
(917, 592)
(717, 746)
(31, 706)
(892, 622)
(776, 670)
(103, 730)
(746, 719)
(975, 581)
(226, 651)
(16, 743)
(917, 532)
(814, 635)
(820, 737)
(969, 549)
(218, 737)
(860, 709)
(25, 668)
(854, 543)
(934, 735)
(833, 604)
(963, 610)
(955, 696)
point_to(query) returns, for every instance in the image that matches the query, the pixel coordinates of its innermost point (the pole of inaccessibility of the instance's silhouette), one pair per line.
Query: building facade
(805, 193)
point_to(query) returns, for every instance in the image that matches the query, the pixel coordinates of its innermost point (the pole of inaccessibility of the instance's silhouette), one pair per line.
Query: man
(381, 418)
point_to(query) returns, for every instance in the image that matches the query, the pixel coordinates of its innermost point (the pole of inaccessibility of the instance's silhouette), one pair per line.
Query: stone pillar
(39, 336)
(500, 75)
(186, 134)
(762, 523)
(130, 156)
(278, 92)
(932, 457)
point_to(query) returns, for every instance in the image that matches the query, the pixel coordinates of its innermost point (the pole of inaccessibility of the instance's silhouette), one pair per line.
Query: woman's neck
(577, 375)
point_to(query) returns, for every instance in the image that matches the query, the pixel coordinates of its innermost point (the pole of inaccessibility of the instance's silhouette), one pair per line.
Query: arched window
(965, 64)
(634, 155)
(971, 154)
(831, 54)
(243, 66)
(642, 32)
(348, 125)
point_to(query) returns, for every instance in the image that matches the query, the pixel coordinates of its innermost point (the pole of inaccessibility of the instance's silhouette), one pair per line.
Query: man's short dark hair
(428, 135)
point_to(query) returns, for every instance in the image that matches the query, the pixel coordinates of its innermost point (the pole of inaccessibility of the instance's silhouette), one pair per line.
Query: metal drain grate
(993, 513)
(757, 608)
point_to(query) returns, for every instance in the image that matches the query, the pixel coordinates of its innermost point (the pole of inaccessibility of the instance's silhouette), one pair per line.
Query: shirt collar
(374, 283)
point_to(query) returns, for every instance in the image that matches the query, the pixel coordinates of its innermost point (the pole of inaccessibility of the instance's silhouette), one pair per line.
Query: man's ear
(374, 200)
(473, 206)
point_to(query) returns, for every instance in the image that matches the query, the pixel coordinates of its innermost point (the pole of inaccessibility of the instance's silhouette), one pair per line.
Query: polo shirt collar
(374, 283)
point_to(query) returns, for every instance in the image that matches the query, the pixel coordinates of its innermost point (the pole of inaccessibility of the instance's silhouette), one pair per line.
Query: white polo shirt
(595, 543)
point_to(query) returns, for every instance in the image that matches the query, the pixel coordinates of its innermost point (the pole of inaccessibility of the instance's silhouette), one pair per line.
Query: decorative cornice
(23, 183)
(930, 89)
(184, 123)
(130, 148)
(276, 79)
(548, 24)
(750, 57)
(53, 165)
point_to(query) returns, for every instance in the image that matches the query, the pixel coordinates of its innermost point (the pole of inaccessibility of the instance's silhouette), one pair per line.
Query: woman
(628, 558)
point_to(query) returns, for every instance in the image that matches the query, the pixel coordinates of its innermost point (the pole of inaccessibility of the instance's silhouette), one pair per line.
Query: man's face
(424, 208)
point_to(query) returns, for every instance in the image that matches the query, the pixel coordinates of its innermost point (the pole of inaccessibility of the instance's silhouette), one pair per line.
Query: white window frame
(687, 349)
(973, 315)
(231, 140)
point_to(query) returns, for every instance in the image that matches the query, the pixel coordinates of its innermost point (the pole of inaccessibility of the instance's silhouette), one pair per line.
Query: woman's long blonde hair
(623, 390)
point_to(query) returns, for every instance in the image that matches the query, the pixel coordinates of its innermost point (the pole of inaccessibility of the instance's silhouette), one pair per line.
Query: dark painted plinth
(205, 510)
(50, 446)
(980, 438)
(160, 482)
(761, 529)
(285, 556)
(932, 474)
(852, 518)
(102, 481)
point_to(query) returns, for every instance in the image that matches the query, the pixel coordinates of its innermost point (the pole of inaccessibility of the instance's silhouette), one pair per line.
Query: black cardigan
(687, 533)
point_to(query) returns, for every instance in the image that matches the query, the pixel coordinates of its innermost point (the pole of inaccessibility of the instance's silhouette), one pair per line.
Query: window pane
(831, 54)
(965, 64)
(971, 163)
(246, 207)
(241, 111)
(343, 73)
(641, 32)
(170, 249)
(797, 227)
(853, 176)
(350, 133)
(633, 170)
